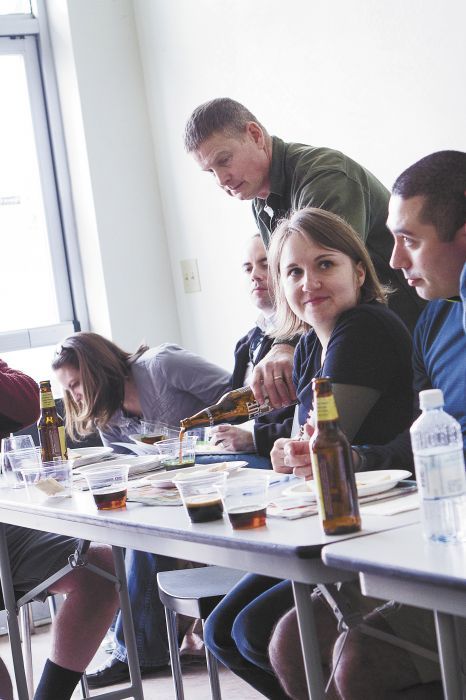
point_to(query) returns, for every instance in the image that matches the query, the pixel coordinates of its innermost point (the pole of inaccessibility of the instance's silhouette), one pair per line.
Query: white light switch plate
(190, 273)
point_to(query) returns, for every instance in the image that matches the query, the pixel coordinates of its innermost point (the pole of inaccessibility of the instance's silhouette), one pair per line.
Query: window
(37, 308)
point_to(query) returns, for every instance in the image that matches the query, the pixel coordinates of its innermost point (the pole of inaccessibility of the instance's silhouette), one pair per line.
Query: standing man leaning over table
(427, 217)
(91, 600)
(228, 141)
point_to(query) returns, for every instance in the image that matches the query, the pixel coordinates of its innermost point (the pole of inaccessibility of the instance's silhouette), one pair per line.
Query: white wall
(121, 232)
(383, 81)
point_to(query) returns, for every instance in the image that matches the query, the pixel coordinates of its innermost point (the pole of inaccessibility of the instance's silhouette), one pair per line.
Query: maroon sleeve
(19, 400)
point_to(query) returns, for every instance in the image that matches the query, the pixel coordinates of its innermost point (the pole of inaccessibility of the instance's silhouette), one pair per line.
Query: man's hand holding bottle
(272, 378)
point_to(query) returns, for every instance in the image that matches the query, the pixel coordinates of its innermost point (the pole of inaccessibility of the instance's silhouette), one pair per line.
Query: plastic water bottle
(439, 460)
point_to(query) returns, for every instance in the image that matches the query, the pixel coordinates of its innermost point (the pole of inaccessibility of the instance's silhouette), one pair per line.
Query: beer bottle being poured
(50, 425)
(238, 405)
(332, 464)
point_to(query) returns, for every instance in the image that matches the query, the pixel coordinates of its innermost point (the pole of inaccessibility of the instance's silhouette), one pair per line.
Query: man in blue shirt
(427, 218)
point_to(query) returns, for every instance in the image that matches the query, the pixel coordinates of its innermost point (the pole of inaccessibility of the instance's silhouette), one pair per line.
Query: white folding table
(284, 549)
(401, 565)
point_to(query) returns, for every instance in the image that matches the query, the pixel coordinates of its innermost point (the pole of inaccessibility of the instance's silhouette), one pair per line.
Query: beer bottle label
(255, 409)
(47, 400)
(62, 436)
(324, 496)
(326, 408)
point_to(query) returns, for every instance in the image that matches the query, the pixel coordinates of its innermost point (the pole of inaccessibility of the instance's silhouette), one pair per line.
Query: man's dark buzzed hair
(441, 179)
(221, 114)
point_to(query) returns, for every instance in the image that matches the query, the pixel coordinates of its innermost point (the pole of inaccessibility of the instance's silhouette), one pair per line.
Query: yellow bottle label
(326, 408)
(47, 400)
(318, 483)
(62, 436)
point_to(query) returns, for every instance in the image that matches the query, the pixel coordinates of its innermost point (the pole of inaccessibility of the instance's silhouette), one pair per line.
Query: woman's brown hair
(329, 231)
(103, 367)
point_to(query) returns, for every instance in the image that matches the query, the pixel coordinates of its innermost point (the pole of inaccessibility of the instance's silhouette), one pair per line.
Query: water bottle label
(441, 475)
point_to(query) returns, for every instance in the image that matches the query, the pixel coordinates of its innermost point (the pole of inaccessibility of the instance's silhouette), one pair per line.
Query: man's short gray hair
(221, 114)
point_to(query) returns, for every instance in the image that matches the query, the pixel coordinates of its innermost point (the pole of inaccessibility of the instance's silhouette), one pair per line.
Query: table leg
(309, 641)
(12, 618)
(128, 628)
(448, 651)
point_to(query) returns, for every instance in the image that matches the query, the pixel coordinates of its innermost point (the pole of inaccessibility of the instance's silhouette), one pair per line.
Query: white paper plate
(205, 449)
(165, 480)
(148, 448)
(137, 465)
(87, 455)
(368, 484)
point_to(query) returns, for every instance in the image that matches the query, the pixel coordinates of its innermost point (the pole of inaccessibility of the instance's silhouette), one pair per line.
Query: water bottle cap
(430, 398)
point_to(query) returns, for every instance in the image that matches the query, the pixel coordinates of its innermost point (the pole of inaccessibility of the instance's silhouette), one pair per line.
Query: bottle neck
(46, 400)
(430, 409)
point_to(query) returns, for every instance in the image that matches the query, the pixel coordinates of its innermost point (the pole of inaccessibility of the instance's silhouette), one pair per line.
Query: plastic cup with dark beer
(152, 432)
(201, 495)
(108, 485)
(245, 500)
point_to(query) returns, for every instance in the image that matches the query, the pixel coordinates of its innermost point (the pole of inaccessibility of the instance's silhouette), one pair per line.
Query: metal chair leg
(212, 670)
(84, 686)
(25, 625)
(53, 605)
(175, 663)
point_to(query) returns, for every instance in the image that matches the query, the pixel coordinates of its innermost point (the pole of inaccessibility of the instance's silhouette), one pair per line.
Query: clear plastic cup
(245, 500)
(201, 495)
(10, 445)
(176, 454)
(48, 480)
(152, 432)
(108, 485)
(18, 460)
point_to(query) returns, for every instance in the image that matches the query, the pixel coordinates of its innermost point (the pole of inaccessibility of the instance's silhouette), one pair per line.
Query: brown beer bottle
(50, 425)
(238, 405)
(332, 464)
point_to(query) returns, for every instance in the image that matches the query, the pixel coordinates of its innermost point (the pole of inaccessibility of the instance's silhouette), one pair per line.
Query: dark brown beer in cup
(247, 517)
(205, 511)
(151, 439)
(109, 500)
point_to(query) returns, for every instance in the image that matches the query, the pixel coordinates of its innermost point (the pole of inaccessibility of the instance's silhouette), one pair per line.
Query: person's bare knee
(285, 649)
(6, 689)
(286, 657)
(87, 612)
(367, 665)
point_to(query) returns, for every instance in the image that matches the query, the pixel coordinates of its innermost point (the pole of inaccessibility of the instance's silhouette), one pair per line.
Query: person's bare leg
(86, 613)
(382, 670)
(6, 689)
(285, 650)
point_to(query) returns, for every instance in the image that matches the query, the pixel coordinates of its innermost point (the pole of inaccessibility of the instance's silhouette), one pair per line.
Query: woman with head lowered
(327, 290)
(111, 390)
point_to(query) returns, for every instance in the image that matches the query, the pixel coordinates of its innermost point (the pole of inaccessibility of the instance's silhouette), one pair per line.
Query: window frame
(29, 37)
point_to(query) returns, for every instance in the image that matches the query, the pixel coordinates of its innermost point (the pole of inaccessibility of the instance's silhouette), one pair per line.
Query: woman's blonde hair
(103, 367)
(329, 231)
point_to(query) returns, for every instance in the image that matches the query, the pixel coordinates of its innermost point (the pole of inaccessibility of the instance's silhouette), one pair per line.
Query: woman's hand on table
(232, 438)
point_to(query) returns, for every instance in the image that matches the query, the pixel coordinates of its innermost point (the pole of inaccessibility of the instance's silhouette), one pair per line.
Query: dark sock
(56, 682)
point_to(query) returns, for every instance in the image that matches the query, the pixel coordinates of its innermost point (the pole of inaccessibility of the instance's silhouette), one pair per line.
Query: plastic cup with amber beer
(108, 485)
(245, 500)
